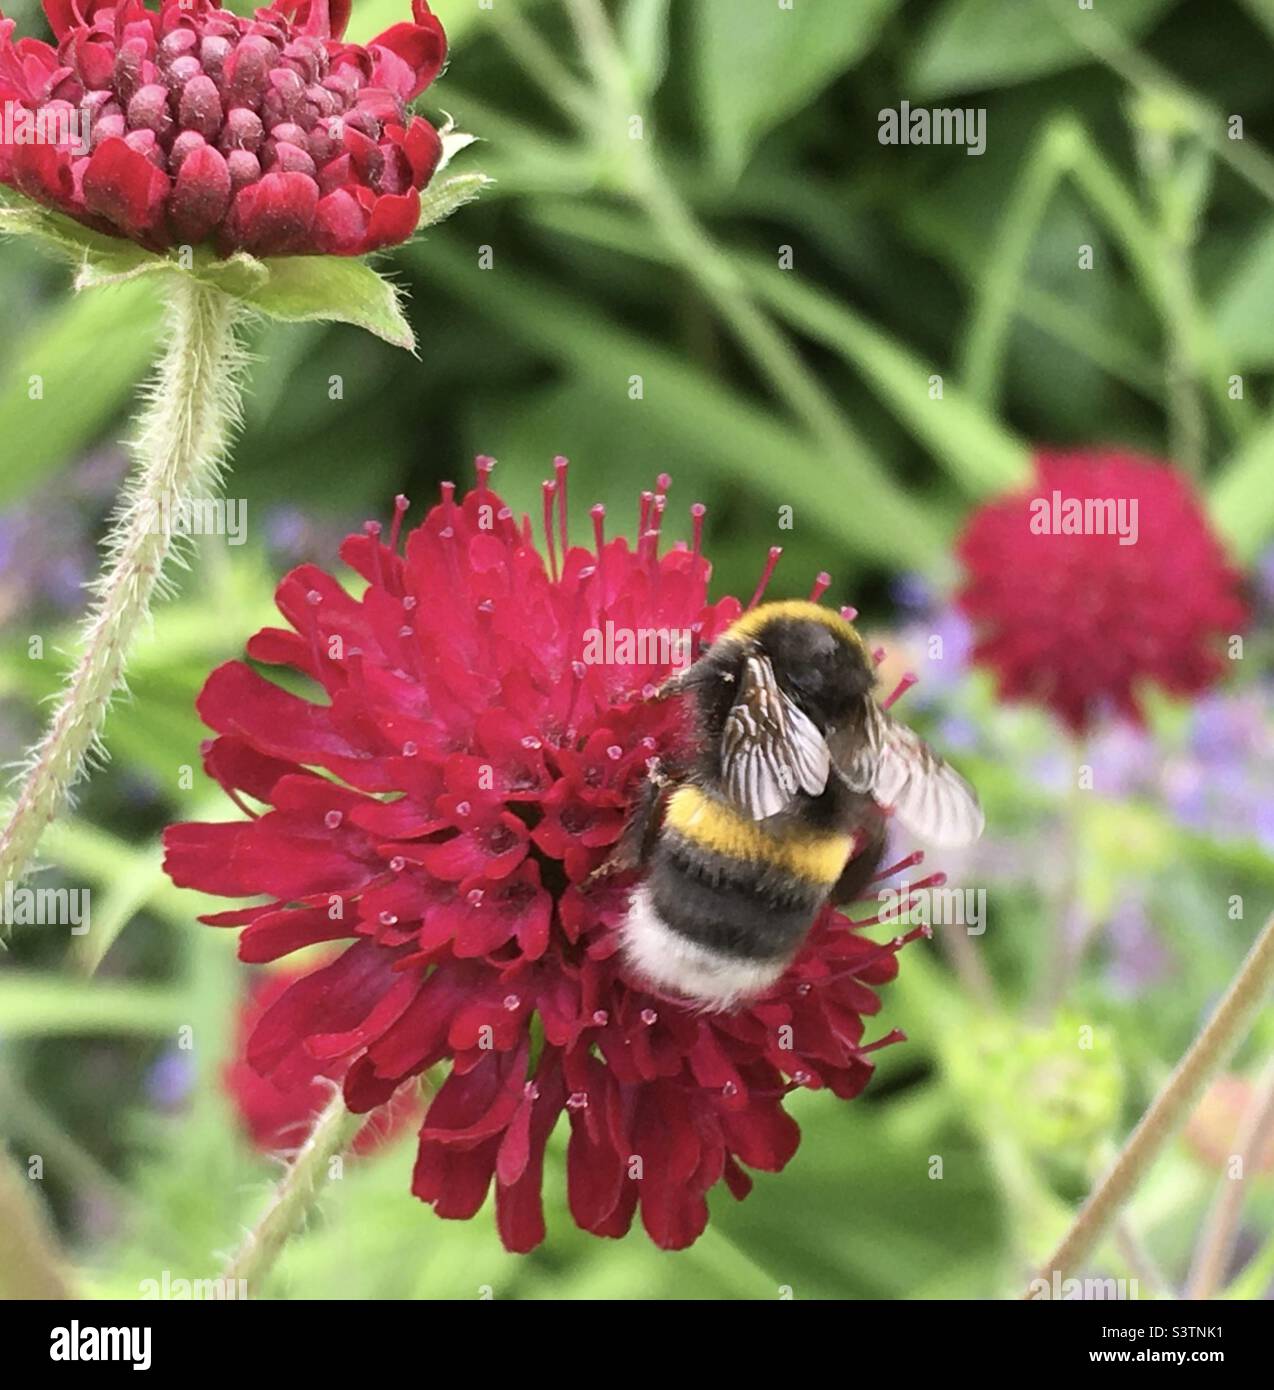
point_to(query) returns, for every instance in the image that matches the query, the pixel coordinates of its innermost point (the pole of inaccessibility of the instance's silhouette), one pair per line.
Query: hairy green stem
(1170, 1109)
(191, 409)
(295, 1195)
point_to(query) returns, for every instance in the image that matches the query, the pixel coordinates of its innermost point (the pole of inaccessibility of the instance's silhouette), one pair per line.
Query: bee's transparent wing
(770, 749)
(902, 773)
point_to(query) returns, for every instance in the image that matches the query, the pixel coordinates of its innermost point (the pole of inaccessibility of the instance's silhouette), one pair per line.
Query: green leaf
(987, 43)
(758, 63)
(444, 196)
(87, 355)
(40, 1005)
(96, 272)
(295, 289)
(241, 275)
(1241, 501)
(19, 216)
(1242, 320)
(303, 289)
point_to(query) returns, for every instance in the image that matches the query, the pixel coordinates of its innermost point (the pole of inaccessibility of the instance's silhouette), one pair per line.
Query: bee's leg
(852, 885)
(675, 684)
(634, 844)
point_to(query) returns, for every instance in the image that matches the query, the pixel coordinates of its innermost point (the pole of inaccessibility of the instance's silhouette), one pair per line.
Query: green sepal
(344, 289)
(299, 289)
(444, 196)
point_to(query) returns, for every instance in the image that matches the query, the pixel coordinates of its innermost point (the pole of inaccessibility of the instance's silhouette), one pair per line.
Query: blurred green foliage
(810, 387)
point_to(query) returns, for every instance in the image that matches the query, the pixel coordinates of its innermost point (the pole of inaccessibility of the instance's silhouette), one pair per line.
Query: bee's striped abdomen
(726, 903)
(712, 826)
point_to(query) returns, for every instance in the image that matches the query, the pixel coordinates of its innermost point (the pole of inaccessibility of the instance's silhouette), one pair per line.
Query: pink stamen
(878, 655)
(662, 483)
(549, 489)
(915, 857)
(887, 948)
(560, 465)
(766, 575)
(932, 881)
(372, 530)
(395, 529)
(483, 464)
(657, 521)
(643, 513)
(849, 613)
(578, 672)
(598, 512)
(316, 646)
(697, 512)
(904, 685)
(895, 1035)
(883, 918)
(821, 585)
(240, 803)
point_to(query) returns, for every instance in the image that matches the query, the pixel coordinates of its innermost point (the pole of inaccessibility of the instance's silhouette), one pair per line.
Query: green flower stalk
(291, 1201)
(191, 410)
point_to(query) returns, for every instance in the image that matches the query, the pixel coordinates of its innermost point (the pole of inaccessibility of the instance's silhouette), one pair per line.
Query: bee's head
(818, 657)
(825, 672)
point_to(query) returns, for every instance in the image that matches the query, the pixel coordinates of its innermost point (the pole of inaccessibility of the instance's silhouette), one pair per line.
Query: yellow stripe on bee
(816, 857)
(751, 624)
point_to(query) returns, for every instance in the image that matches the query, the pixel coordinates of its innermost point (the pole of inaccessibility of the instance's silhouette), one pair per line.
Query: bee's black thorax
(826, 675)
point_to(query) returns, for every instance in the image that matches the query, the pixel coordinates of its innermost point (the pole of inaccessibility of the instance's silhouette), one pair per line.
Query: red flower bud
(148, 109)
(245, 168)
(183, 145)
(273, 217)
(124, 187)
(200, 106)
(201, 195)
(277, 95)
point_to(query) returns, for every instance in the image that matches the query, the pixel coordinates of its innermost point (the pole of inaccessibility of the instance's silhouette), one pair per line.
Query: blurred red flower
(1075, 619)
(265, 134)
(443, 810)
(275, 1118)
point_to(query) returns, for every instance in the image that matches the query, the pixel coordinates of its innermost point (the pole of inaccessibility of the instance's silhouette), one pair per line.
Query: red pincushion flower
(1075, 620)
(265, 134)
(442, 810)
(280, 1119)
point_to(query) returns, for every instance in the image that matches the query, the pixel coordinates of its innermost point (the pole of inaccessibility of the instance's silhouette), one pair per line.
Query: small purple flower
(170, 1080)
(1138, 958)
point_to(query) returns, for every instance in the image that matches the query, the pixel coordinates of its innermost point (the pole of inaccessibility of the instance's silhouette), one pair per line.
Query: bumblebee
(782, 809)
